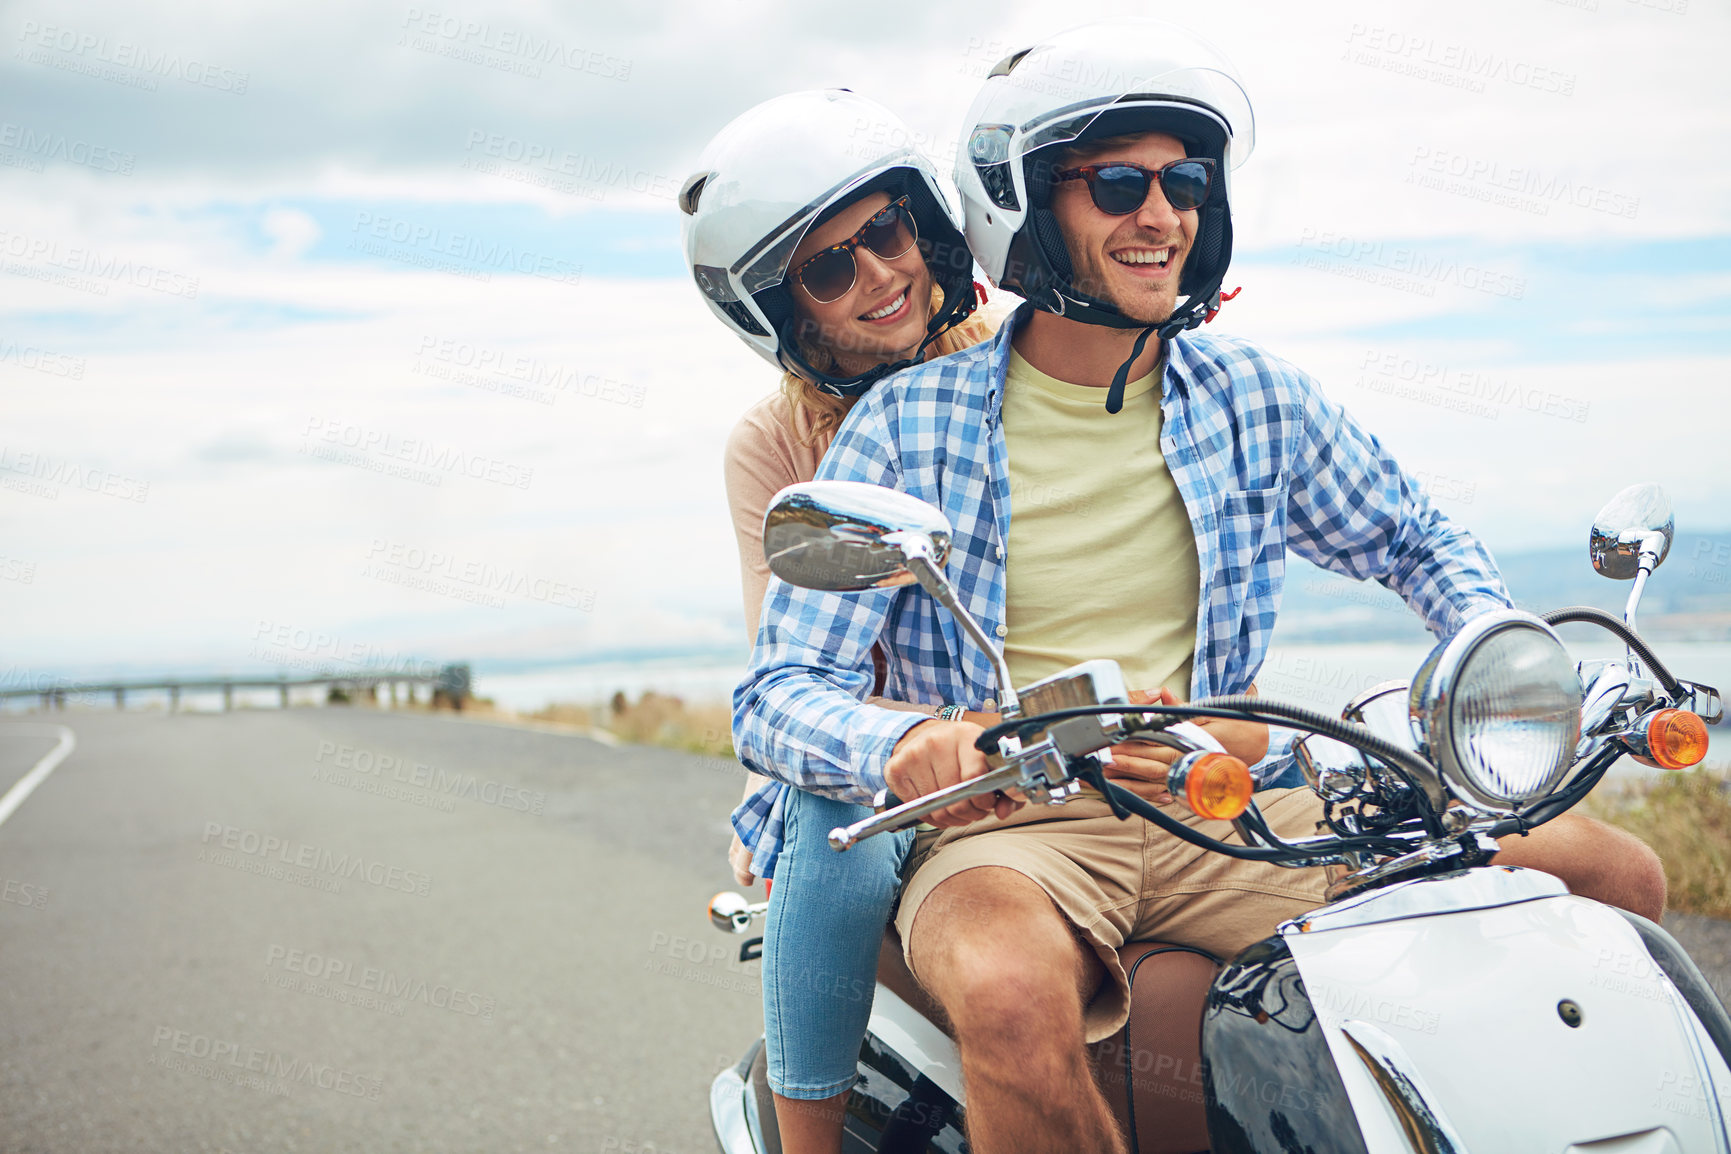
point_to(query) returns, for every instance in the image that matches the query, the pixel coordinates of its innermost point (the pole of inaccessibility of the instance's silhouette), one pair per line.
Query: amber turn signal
(1676, 738)
(1214, 785)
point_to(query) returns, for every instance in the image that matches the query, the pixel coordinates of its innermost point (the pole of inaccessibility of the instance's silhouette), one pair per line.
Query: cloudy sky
(248, 321)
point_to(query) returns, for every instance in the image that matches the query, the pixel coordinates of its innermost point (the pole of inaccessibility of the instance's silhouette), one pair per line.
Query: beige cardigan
(764, 456)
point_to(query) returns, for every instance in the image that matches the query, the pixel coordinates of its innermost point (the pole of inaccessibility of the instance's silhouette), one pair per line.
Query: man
(1117, 489)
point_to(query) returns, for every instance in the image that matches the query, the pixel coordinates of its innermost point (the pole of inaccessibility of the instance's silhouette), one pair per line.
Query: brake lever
(909, 813)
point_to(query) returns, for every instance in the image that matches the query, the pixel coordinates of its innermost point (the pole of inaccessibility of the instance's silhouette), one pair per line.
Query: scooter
(1438, 1003)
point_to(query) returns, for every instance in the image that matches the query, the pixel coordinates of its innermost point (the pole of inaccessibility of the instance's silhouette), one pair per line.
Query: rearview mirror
(845, 536)
(1636, 520)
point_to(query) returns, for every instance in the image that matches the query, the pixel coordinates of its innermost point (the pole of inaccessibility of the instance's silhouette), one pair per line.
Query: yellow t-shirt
(1101, 558)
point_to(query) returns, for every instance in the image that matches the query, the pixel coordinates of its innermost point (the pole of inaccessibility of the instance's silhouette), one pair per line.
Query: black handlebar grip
(888, 799)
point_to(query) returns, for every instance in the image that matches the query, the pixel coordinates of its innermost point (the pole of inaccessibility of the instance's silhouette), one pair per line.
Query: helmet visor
(1055, 91)
(764, 261)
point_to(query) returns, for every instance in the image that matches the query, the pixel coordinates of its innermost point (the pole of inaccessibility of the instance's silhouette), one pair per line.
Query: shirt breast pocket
(1252, 528)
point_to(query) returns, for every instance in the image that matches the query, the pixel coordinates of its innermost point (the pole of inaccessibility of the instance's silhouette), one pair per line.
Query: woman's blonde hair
(822, 412)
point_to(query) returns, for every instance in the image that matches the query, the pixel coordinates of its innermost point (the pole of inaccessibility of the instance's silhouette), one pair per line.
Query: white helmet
(773, 173)
(1089, 83)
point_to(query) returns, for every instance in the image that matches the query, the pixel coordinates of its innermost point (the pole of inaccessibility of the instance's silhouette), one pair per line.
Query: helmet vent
(742, 317)
(693, 189)
(1004, 66)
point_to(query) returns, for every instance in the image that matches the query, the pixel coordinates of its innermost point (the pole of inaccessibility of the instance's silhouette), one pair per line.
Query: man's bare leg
(1595, 861)
(1013, 978)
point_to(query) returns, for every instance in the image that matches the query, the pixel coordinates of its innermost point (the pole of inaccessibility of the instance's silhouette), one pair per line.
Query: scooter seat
(1150, 1071)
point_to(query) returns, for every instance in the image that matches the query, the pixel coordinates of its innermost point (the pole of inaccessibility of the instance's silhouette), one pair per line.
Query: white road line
(16, 795)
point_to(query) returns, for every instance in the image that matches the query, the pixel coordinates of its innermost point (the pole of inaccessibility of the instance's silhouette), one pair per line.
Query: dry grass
(654, 719)
(1686, 818)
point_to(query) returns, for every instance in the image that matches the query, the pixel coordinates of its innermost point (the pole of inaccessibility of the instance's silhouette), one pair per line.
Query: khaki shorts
(1123, 881)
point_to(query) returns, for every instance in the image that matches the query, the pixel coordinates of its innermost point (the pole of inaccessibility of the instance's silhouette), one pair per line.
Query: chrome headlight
(1499, 707)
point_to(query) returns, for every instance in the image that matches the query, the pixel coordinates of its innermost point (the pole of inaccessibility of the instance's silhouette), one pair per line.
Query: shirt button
(988, 706)
(1000, 552)
(1002, 630)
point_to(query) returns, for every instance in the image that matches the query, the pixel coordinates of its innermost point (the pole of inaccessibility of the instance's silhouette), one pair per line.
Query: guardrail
(450, 684)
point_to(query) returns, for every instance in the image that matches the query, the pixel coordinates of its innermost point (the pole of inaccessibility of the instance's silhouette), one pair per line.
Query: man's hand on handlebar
(935, 754)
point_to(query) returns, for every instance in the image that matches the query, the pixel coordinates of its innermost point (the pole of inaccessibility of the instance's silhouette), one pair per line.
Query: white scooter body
(1439, 1000)
(1463, 1008)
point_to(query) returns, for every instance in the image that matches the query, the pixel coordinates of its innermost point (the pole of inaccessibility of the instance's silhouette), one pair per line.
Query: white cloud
(209, 397)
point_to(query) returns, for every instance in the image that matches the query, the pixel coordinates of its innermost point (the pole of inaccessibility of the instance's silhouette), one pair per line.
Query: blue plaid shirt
(1265, 463)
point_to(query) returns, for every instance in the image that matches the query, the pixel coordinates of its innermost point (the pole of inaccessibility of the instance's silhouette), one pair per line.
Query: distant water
(695, 681)
(1322, 677)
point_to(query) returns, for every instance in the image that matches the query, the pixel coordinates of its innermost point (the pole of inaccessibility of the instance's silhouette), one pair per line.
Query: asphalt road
(276, 931)
(334, 930)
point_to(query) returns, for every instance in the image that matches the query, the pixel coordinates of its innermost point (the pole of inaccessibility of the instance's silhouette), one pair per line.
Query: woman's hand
(740, 859)
(737, 855)
(1141, 766)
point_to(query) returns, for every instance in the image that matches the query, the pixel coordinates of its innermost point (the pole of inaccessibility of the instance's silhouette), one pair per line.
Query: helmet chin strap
(1093, 311)
(957, 307)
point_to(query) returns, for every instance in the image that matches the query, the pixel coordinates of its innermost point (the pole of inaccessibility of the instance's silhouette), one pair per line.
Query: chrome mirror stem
(919, 553)
(1629, 608)
(1652, 550)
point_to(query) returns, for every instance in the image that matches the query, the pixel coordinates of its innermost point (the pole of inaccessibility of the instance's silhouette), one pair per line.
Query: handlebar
(1049, 755)
(903, 814)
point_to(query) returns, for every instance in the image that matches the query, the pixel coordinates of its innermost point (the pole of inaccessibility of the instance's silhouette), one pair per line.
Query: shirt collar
(999, 362)
(1178, 369)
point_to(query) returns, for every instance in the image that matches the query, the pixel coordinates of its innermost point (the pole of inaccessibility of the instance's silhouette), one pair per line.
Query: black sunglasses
(1120, 189)
(828, 275)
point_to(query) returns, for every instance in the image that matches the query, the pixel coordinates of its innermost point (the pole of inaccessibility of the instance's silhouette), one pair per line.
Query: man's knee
(993, 949)
(1594, 860)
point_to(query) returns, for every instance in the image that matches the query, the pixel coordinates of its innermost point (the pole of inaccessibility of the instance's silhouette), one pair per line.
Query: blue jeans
(827, 913)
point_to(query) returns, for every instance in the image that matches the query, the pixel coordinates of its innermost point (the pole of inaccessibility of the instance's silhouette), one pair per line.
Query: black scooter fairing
(1268, 1076)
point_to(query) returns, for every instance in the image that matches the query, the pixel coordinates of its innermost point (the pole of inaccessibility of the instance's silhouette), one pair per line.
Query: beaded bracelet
(951, 713)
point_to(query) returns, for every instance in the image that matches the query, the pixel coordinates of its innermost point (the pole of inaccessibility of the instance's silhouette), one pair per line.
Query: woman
(827, 245)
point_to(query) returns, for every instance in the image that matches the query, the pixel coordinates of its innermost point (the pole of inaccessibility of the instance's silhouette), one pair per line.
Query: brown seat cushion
(1151, 1071)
